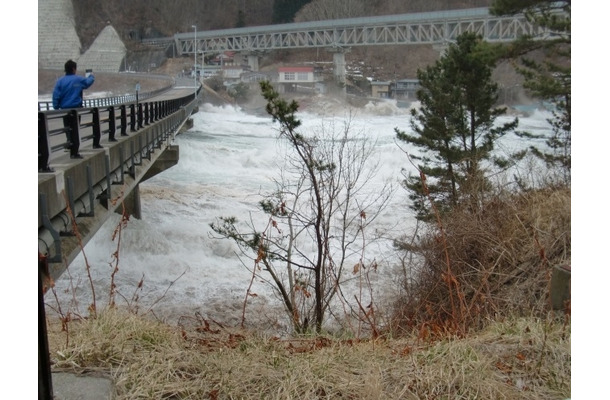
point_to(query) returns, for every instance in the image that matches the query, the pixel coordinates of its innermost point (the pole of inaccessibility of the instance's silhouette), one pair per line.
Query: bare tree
(316, 234)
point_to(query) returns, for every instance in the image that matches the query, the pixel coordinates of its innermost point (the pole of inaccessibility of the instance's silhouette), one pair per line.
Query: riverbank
(522, 358)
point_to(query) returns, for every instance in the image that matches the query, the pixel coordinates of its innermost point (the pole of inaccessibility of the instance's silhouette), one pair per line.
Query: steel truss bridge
(440, 27)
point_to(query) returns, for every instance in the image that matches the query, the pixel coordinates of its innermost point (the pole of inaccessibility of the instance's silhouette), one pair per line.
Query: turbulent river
(227, 160)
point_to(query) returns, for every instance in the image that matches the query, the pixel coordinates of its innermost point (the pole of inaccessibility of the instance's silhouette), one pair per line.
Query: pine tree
(550, 79)
(454, 128)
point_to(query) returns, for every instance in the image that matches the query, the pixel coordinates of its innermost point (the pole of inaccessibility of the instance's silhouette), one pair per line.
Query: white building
(291, 79)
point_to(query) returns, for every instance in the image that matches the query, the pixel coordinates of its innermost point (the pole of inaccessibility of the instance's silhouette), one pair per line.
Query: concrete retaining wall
(58, 41)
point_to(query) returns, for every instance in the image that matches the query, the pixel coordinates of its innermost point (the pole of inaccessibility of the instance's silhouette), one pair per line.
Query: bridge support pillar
(132, 204)
(339, 65)
(253, 62)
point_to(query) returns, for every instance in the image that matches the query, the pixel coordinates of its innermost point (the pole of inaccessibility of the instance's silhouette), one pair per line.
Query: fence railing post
(146, 113)
(111, 124)
(43, 144)
(140, 116)
(97, 130)
(123, 120)
(132, 117)
(71, 122)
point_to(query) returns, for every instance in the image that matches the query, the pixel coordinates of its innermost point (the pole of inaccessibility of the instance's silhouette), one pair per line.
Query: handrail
(153, 124)
(84, 124)
(156, 123)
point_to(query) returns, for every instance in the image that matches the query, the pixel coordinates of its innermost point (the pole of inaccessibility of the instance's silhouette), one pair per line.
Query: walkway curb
(69, 386)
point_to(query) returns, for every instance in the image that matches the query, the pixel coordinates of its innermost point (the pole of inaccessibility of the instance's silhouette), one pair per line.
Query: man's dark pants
(71, 125)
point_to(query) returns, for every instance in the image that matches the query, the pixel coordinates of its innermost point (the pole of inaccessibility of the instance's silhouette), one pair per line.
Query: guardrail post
(132, 117)
(140, 116)
(123, 120)
(97, 132)
(72, 125)
(111, 124)
(43, 144)
(146, 113)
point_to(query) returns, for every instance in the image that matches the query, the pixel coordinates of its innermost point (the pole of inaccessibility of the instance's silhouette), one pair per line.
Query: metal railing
(79, 125)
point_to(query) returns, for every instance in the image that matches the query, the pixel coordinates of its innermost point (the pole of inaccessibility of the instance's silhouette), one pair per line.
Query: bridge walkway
(59, 159)
(85, 190)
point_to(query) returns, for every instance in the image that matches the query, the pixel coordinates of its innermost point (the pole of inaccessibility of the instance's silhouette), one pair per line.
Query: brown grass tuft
(500, 259)
(514, 359)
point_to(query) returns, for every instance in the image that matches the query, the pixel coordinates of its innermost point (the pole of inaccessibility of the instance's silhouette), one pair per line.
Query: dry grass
(496, 261)
(513, 359)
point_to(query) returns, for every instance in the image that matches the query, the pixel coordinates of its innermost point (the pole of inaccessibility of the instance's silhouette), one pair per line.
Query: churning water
(227, 160)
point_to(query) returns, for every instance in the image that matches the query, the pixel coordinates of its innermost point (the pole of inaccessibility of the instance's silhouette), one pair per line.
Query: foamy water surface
(227, 160)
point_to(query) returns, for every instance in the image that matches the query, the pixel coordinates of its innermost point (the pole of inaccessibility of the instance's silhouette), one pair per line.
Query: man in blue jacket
(68, 93)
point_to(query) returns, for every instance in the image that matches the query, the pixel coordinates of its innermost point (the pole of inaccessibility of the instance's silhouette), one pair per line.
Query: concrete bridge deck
(77, 198)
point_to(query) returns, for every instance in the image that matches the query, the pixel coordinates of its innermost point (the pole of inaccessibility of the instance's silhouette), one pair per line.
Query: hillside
(137, 20)
(140, 19)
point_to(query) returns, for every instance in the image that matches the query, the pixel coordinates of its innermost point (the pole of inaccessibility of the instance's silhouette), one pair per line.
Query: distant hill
(135, 20)
(138, 19)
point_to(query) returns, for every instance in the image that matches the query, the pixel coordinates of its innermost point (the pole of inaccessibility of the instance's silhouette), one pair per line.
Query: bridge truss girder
(304, 35)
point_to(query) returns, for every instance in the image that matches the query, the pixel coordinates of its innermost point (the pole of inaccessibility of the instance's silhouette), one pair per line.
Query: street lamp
(195, 48)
